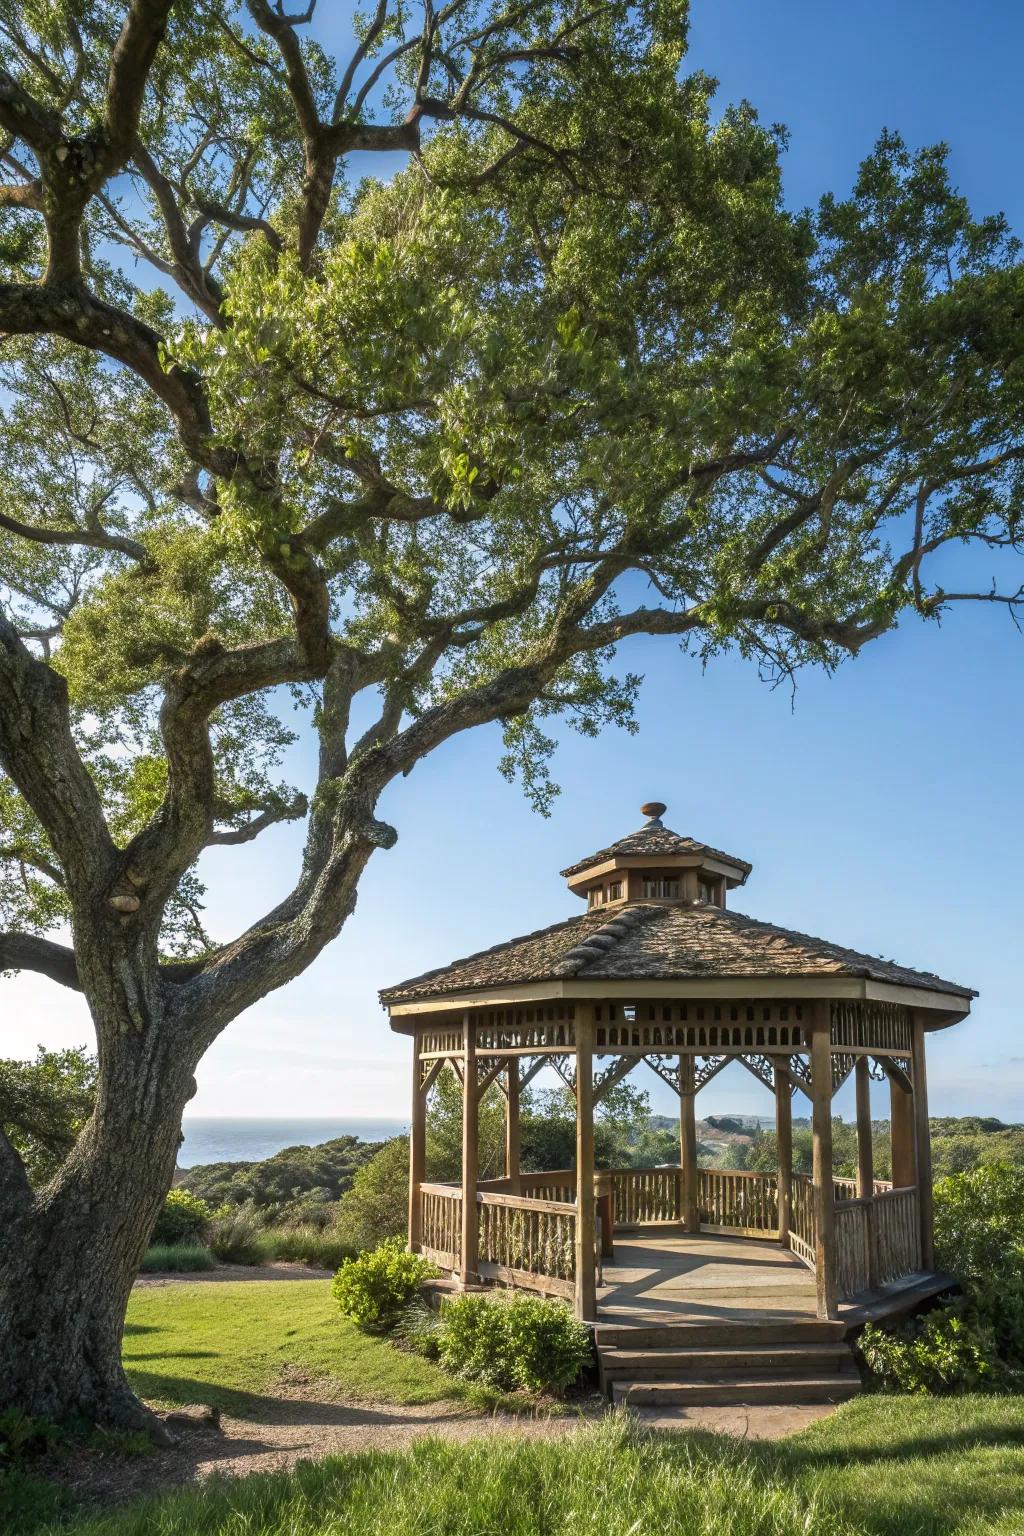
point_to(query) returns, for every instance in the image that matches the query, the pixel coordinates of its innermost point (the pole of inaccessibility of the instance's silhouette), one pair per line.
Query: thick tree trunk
(71, 1253)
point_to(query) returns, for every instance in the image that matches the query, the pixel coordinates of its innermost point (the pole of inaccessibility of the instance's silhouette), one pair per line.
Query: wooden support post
(784, 1148)
(866, 1165)
(923, 1145)
(470, 1152)
(417, 1149)
(586, 1280)
(605, 1196)
(901, 1134)
(512, 1158)
(824, 1198)
(690, 1201)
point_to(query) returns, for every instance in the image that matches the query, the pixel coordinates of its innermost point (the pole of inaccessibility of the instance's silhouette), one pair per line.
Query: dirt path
(295, 1429)
(285, 1432)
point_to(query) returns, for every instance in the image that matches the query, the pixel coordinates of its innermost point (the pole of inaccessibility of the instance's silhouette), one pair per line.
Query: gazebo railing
(741, 1201)
(554, 1184)
(803, 1227)
(528, 1238)
(527, 1242)
(899, 1233)
(846, 1189)
(441, 1224)
(644, 1197)
(878, 1240)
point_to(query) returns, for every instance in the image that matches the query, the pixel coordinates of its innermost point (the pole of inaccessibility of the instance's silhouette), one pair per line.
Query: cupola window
(659, 887)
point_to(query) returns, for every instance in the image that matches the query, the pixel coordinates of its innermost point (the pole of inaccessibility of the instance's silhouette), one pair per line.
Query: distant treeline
(305, 1183)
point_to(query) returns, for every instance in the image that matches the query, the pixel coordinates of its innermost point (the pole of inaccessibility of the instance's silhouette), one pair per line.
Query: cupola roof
(656, 846)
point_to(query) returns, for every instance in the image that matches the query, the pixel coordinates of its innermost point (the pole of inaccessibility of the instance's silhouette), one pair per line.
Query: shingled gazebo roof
(648, 942)
(654, 841)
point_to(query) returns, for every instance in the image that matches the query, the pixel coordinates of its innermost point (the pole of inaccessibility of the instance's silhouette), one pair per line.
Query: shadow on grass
(179, 1354)
(163, 1387)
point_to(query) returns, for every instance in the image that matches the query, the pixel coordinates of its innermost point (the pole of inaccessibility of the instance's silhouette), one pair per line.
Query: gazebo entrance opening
(555, 1231)
(659, 971)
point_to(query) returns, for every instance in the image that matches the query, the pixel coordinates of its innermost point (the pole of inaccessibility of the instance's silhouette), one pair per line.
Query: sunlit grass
(232, 1343)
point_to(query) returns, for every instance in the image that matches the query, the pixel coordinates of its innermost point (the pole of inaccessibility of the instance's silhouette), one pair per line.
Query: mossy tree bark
(71, 1253)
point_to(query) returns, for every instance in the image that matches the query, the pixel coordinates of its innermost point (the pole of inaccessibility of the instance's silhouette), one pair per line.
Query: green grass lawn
(878, 1467)
(234, 1343)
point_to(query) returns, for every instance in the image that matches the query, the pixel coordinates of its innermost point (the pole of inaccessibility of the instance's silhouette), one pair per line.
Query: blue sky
(880, 807)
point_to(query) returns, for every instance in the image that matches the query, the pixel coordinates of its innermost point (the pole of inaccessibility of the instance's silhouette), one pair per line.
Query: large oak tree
(422, 448)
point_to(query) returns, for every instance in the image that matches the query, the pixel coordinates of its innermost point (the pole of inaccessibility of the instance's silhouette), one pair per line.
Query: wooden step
(713, 1335)
(703, 1391)
(680, 1363)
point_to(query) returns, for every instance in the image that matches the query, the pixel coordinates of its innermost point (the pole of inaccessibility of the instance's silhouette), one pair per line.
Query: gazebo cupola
(656, 864)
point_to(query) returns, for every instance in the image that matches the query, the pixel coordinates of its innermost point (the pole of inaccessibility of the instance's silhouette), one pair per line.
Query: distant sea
(249, 1141)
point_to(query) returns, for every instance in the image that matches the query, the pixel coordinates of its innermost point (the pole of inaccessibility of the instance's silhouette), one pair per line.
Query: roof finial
(653, 810)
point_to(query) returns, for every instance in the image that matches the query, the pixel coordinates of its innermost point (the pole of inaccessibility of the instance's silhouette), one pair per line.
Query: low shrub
(237, 1236)
(179, 1257)
(473, 1341)
(376, 1287)
(321, 1248)
(979, 1237)
(513, 1342)
(183, 1218)
(946, 1351)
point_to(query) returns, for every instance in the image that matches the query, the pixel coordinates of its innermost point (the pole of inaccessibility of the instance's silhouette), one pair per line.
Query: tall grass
(610, 1478)
(319, 1247)
(176, 1257)
(238, 1237)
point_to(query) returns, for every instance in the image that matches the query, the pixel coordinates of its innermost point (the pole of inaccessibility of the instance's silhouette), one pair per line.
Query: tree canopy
(425, 449)
(44, 1104)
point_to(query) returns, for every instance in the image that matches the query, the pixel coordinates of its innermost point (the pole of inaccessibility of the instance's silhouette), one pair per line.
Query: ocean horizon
(245, 1139)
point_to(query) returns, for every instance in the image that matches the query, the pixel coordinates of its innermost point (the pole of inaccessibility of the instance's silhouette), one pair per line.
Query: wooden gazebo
(658, 969)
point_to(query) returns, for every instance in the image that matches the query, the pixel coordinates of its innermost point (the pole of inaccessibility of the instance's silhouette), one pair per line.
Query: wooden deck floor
(675, 1278)
(707, 1278)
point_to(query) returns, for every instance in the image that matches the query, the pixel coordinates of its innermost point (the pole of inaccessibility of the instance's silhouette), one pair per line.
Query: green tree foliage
(293, 1185)
(974, 1141)
(43, 1105)
(183, 1219)
(625, 1135)
(377, 1206)
(426, 439)
(444, 1131)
